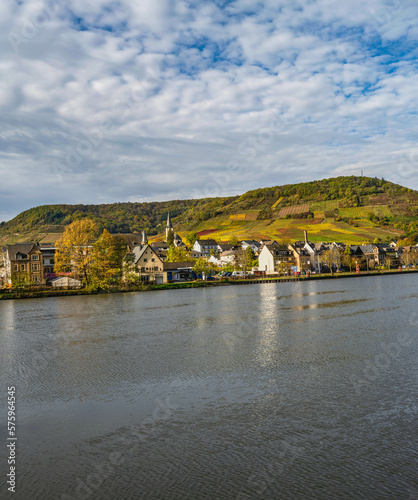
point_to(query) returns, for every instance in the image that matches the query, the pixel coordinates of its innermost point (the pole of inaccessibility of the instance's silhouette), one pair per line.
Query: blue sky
(105, 101)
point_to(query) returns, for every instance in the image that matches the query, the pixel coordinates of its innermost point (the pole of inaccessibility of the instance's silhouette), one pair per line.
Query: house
(178, 271)
(159, 245)
(225, 247)
(205, 247)
(254, 245)
(23, 262)
(48, 260)
(227, 257)
(195, 254)
(380, 254)
(301, 257)
(408, 255)
(144, 262)
(275, 258)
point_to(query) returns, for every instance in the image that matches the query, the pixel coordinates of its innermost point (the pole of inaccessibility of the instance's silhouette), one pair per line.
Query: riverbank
(29, 294)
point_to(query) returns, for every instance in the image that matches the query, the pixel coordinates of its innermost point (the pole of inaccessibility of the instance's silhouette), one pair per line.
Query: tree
(203, 266)
(75, 247)
(348, 259)
(331, 258)
(179, 254)
(241, 259)
(234, 241)
(170, 238)
(191, 238)
(108, 254)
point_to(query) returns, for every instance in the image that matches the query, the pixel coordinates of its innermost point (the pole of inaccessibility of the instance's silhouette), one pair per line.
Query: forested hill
(342, 200)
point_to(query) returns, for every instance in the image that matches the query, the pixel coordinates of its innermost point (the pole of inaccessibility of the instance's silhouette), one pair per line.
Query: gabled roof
(269, 242)
(367, 248)
(20, 248)
(225, 246)
(206, 242)
(227, 253)
(274, 248)
(139, 251)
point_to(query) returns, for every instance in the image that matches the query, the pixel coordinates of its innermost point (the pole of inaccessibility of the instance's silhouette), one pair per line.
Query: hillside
(350, 209)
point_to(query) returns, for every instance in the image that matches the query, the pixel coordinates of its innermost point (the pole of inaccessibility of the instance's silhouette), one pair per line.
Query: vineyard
(294, 209)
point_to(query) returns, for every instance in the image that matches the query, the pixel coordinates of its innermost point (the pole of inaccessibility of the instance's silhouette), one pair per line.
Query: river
(271, 391)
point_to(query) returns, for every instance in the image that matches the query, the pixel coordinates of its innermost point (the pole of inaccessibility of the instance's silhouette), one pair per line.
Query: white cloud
(108, 101)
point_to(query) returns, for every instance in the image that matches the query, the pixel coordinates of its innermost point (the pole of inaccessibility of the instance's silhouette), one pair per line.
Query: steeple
(168, 227)
(144, 238)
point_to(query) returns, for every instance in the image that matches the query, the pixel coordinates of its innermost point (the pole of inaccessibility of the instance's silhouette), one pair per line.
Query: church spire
(168, 227)
(144, 238)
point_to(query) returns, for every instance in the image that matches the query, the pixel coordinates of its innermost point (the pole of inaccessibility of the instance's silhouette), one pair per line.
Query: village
(34, 263)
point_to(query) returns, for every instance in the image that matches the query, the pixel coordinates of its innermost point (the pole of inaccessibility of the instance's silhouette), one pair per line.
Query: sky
(114, 101)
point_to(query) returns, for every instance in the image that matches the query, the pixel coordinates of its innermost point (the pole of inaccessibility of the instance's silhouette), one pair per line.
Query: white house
(205, 246)
(274, 258)
(254, 245)
(227, 258)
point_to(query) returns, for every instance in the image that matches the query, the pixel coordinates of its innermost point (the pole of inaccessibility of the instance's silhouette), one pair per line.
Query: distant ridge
(353, 208)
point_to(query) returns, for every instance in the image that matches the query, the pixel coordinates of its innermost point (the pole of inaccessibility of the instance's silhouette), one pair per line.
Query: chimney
(305, 233)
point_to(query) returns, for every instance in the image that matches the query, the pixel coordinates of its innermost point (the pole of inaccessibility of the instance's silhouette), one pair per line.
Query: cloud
(107, 101)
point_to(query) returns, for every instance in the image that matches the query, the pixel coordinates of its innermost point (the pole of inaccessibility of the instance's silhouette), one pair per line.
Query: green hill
(350, 209)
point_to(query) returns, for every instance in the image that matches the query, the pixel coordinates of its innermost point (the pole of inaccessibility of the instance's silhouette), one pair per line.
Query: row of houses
(318, 257)
(34, 262)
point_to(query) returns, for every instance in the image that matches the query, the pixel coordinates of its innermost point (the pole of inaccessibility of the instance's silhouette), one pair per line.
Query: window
(16, 267)
(22, 267)
(153, 260)
(35, 257)
(145, 260)
(35, 267)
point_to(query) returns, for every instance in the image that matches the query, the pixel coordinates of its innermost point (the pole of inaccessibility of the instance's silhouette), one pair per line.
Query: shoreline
(36, 294)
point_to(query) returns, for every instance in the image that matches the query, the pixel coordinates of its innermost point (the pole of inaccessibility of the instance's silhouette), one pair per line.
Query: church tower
(168, 227)
(144, 238)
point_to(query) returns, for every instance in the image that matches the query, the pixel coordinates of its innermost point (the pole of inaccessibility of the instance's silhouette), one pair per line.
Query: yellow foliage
(277, 202)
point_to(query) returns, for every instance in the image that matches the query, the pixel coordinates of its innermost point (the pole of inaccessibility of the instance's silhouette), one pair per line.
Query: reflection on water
(295, 390)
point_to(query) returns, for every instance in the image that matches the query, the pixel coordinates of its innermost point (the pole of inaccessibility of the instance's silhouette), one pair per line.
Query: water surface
(291, 390)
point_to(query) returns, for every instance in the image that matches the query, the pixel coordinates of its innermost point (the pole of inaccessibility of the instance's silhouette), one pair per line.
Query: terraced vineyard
(294, 209)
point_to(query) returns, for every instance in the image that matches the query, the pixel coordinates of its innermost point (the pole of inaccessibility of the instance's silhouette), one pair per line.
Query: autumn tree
(107, 257)
(170, 238)
(203, 266)
(234, 241)
(191, 238)
(179, 254)
(75, 247)
(348, 259)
